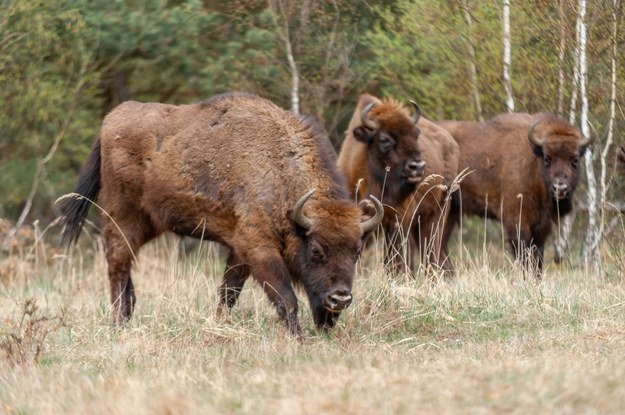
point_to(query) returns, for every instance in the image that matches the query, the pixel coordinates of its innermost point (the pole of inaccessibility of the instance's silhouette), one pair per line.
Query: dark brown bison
(409, 163)
(235, 169)
(523, 172)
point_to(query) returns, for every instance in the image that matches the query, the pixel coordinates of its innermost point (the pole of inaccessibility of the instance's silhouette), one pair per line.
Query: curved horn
(298, 211)
(417, 112)
(372, 223)
(538, 142)
(591, 138)
(364, 117)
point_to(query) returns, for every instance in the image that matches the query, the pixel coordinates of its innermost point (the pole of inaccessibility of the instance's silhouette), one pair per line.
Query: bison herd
(268, 185)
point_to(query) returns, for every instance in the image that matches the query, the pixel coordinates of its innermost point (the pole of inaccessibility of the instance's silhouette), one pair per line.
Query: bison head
(391, 138)
(330, 239)
(560, 147)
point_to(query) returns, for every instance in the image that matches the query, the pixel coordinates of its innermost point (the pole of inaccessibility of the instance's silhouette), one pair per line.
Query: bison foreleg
(273, 275)
(530, 254)
(234, 277)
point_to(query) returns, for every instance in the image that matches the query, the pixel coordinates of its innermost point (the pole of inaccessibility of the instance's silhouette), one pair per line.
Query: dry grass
(488, 341)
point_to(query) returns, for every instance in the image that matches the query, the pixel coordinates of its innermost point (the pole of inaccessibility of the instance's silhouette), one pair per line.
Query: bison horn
(537, 141)
(372, 223)
(298, 212)
(417, 112)
(364, 117)
(590, 139)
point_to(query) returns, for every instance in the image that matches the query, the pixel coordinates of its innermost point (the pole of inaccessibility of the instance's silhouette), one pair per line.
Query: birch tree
(507, 56)
(565, 226)
(616, 6)
(278, 13)
(592, 233)
(472, 61)
(561, 53)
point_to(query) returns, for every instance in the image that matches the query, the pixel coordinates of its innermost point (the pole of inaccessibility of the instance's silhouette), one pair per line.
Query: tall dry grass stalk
(487, 341)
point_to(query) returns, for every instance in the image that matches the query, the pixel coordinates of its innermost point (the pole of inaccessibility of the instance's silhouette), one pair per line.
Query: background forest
(488, 341)
(65, 63)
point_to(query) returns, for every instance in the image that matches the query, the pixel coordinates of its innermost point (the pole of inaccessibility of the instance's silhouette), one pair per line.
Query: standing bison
(409, 162)
(523, 171)
(235, 169)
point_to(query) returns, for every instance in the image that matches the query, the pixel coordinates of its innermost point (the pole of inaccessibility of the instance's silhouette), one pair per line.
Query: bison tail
(74, 207)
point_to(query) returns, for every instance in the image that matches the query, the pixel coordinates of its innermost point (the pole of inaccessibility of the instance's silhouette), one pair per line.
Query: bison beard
(235, 169)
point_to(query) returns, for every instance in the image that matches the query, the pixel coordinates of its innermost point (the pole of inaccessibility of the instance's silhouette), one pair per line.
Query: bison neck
(392, 184)
(560, 208)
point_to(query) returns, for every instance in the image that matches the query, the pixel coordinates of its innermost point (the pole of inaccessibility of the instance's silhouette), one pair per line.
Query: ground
(487, 341)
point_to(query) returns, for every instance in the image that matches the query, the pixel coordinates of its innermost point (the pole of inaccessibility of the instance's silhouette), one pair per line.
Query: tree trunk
(278, 12)
(472, 61)
(566, 224)
(507, 49)
(592, 235)
(561, 52)
(609, 140)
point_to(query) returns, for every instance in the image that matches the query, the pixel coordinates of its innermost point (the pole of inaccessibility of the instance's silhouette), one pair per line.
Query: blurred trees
(65, 63)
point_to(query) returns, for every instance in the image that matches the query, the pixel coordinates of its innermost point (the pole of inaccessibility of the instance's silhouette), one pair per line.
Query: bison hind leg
(121, 250)
(234, 278)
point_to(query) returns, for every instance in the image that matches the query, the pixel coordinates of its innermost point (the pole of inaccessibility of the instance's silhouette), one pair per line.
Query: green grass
(487, 341)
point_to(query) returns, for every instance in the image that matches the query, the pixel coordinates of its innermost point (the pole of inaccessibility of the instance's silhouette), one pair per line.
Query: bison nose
(560, 190)
(338, 300)
(414, 169)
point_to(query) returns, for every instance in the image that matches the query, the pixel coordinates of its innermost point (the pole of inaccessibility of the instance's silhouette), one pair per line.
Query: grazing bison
(523, 171)
(409, 162)
(235, 169)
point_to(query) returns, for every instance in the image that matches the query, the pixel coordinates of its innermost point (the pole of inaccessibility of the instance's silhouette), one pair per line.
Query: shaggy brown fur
(230, 169)
(415, 207)
(516, 182)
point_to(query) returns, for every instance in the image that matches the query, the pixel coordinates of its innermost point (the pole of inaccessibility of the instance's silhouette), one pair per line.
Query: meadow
(487, 341)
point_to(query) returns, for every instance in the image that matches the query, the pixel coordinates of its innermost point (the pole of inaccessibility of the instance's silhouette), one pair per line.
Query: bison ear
(362, 134)
(537, 150)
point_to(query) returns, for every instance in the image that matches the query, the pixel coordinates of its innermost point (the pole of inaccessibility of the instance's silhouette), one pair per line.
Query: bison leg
(234, 277)
(529, 252)
(447, 230)
(120, 252)
(273, 275)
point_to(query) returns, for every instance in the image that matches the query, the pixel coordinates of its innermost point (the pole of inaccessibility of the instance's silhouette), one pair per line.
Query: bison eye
(575, 162)
(386, 143)
(547, 161)
(316, 254)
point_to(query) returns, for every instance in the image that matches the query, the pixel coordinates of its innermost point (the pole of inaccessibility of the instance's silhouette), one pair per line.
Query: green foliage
(65, 63)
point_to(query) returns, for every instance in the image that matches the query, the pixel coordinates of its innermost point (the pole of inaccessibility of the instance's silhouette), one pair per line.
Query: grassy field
(488, 341)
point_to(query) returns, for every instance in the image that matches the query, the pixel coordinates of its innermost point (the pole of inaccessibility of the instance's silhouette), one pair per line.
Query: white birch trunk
(565, 225)
(561, 52)
(609, 140)
(472, 62)
(507, 49)
(278, 12)
(573, 106)
(592, 231)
